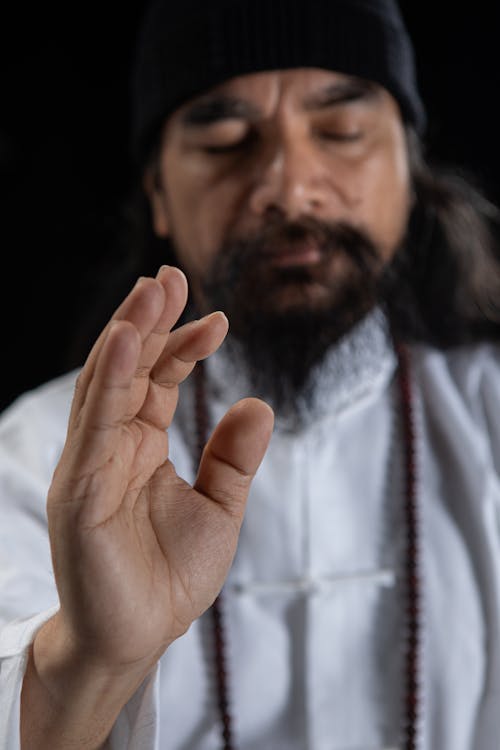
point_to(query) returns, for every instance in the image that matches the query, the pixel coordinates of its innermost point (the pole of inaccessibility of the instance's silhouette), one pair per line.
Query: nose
(290, 180)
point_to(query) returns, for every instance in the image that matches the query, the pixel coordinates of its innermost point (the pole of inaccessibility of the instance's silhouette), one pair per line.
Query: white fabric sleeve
(32, 434)
(28, 595)
(15, 640)
(136, 727)
(487, 734)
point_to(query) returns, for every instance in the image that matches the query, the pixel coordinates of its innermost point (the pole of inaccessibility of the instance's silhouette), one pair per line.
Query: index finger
(147, 308)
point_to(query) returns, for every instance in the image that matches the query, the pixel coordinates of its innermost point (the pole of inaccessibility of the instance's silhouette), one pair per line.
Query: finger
(107, 402)
(190, 343)
(148, 309)
(185, 346)
(174, 286)
(142, 307)
(175, 289)
(234, 453)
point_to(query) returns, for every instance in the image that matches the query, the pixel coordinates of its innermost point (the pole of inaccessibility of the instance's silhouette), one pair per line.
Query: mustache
(245, 253)
(329, 237)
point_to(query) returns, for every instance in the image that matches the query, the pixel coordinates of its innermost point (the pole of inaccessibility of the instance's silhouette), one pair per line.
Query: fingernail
(216, 314)
(161, 270)
(220, 314)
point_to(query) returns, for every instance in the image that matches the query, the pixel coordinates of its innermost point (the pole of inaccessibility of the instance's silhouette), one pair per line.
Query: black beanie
(186, 47)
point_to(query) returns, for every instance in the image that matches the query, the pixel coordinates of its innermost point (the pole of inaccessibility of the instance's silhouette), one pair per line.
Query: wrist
(68, 699)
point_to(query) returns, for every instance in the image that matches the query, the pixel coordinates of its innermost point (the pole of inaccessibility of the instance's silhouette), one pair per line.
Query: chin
(303, 297)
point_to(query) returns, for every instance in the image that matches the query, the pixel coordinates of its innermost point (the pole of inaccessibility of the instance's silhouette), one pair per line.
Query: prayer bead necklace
(412, 704)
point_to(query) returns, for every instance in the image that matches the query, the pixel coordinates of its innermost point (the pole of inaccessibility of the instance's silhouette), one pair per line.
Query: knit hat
(189, 46)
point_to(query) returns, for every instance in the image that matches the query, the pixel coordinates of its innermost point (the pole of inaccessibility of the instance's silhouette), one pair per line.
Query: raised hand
(138, 553)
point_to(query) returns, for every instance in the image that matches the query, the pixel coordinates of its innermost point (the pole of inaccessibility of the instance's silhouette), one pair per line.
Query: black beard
(281, 345)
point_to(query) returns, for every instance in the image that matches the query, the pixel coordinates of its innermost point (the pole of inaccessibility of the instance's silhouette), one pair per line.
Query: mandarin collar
(355, 368)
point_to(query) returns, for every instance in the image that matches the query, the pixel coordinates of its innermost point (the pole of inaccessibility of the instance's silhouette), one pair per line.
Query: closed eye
(231, 147)
(341, 137)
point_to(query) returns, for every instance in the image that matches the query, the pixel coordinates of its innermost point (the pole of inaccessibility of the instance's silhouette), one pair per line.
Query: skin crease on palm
(293, 143)
(128, 536)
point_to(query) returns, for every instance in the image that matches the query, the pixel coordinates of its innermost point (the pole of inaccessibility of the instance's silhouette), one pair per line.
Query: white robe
(313, 604)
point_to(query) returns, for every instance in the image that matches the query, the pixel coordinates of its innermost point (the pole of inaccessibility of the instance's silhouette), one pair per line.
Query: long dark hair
(443, 287)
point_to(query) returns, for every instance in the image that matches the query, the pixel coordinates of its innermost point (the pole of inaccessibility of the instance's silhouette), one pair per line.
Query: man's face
(277, 147)
(285, 195)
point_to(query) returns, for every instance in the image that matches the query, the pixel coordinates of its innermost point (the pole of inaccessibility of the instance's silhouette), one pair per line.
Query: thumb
(233, 454)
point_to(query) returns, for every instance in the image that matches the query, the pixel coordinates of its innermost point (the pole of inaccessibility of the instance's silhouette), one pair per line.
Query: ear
(154, 190)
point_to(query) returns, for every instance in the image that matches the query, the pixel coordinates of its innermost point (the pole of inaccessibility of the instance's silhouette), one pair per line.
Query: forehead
(266, 91)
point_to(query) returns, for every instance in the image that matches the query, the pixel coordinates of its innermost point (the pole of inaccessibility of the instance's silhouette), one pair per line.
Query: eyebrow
(217, 107)
(340, 92)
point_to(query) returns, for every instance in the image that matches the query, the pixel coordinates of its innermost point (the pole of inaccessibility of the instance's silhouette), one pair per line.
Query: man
(363, 603)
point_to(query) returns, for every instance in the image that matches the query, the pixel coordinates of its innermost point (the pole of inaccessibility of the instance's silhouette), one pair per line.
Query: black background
(65, 170)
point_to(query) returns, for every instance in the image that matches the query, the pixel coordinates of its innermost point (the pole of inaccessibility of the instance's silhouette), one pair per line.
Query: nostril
(274, 213)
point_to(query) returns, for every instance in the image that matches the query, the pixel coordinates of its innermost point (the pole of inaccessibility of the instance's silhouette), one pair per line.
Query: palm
(138, 552)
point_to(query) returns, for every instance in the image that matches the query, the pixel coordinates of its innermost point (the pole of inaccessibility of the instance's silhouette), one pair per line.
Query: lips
(289, 255)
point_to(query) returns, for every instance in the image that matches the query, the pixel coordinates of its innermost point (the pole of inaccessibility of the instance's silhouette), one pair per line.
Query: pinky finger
(188, 344)
(185, 346)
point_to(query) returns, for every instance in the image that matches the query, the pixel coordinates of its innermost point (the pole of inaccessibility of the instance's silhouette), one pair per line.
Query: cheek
(195, 222)
(211, 211)
(387, 200)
